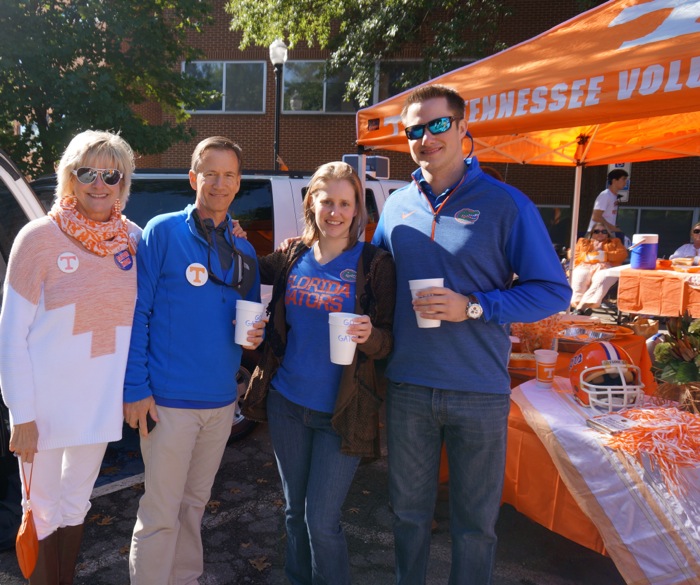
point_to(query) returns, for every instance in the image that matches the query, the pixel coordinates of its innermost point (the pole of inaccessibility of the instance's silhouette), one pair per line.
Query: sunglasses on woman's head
(88, 175)
(436, 126)
(599, 232)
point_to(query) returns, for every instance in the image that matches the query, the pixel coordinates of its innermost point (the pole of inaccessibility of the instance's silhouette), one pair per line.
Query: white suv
(18, 205)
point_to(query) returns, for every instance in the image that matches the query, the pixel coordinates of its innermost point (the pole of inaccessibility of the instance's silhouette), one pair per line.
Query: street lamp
(278, 57)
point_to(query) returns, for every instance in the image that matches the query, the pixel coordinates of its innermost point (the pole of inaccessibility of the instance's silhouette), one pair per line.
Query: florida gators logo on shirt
(349, 275)
(467, 216)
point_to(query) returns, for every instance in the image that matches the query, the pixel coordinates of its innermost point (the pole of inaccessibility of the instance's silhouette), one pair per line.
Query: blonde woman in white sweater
(65, 327)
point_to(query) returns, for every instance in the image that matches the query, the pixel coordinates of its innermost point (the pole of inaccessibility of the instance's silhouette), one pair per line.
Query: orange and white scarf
(99, 237)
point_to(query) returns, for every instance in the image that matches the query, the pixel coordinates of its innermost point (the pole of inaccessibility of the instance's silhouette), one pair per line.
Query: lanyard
(436, 211)
(237, 267)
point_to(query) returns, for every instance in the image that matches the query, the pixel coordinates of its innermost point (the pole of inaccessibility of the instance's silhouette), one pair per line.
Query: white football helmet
(604, 377)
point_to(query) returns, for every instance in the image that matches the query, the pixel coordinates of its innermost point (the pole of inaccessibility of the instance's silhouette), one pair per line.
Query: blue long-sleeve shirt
(484, 232)
(182, 341)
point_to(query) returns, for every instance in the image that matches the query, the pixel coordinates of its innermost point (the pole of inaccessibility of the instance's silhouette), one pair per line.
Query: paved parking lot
(244, 534)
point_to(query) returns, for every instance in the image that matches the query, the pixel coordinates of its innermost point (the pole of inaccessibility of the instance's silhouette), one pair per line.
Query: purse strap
(28, 486)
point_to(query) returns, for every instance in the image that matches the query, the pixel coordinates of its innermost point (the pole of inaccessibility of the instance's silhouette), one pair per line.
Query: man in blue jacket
(183, 361)
(451, 382)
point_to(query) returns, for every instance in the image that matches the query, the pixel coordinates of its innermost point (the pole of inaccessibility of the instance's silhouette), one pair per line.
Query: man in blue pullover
(183, 361)
(451, 383)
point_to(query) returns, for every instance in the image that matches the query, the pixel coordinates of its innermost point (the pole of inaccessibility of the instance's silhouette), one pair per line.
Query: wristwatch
(474, 309)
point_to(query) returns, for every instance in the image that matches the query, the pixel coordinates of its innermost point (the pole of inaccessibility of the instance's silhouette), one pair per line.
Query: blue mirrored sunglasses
(436, 126)
(88, 175)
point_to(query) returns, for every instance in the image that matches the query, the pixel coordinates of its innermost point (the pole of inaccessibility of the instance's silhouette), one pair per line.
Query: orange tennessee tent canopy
(619, 83)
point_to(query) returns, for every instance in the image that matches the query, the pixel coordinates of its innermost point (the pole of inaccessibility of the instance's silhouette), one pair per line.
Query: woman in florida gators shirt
(323, 417)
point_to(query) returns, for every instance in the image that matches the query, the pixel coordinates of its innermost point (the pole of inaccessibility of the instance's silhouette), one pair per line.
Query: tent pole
(574, 217)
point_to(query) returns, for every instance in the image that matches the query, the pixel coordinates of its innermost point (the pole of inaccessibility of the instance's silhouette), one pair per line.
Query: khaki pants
(181, 457)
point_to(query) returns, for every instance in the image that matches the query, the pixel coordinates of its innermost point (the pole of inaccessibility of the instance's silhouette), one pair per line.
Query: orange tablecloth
(532, 483)
(534, 487)
(663, 293)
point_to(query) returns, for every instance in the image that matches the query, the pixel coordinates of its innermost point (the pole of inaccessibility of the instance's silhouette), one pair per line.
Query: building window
(240, 83)
(307, 89)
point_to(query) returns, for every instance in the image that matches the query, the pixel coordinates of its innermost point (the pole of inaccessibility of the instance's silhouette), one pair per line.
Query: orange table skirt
(663, 293)
(532, 483)
(534, 487)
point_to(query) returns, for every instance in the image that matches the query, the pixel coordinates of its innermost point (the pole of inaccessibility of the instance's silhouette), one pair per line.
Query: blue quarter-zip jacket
(182, 344)
(484, 232)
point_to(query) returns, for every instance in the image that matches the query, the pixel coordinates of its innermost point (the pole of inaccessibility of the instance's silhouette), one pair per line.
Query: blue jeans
(474, 427)
(316, 477)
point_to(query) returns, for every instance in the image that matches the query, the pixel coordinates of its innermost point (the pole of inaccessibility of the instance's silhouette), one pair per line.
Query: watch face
(475, 311)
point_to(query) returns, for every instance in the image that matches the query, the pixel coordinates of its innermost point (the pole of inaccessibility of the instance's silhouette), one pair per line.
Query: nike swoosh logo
(405, 215)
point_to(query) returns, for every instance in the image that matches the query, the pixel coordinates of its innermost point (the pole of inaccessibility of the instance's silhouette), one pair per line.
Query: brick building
(664, 195)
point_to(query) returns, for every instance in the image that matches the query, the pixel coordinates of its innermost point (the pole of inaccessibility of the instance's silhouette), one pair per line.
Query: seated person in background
(689, 251)
(594, 252)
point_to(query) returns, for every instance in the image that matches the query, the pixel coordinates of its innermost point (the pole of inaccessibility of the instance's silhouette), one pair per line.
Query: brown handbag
(27, 543)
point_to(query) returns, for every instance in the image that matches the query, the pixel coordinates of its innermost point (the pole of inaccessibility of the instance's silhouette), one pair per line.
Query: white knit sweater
(65, 328)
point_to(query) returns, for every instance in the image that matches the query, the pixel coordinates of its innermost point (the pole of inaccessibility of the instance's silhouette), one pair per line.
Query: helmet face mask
(603, 377)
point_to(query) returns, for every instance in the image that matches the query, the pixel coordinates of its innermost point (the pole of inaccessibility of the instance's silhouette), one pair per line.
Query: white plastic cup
(342, 345)
(545, 363)
(247, 314)
(422, 284)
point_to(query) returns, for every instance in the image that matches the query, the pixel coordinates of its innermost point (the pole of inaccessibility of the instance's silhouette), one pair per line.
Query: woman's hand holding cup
(360, 329)
(256, 334)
